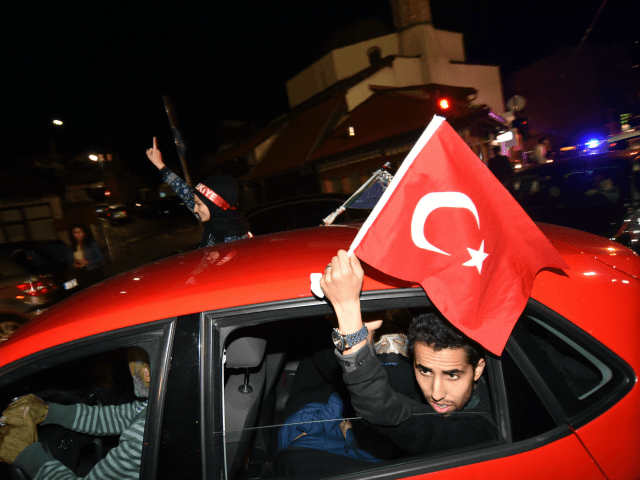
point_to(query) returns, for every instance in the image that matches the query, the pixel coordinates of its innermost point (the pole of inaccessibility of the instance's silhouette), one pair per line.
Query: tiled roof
(384, 115)
(294, 144)
(330, 93)
(245, 148)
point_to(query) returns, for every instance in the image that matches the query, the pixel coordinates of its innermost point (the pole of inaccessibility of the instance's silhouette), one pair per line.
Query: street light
(57, 122)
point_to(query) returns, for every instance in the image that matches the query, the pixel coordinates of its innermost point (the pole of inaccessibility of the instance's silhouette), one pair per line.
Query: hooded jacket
(236, 228)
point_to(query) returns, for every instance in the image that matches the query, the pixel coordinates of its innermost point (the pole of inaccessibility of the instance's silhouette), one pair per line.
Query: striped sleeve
(182, 188)
(121, 463)
(105, 420)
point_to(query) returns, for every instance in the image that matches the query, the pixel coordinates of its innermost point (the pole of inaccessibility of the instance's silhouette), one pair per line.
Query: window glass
(287, 410)
(527, 414)
(93, 414)
(578, 376)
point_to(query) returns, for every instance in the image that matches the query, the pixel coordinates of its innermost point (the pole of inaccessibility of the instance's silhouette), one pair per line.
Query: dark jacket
(413, 425)
(186, 193)
(501, 167)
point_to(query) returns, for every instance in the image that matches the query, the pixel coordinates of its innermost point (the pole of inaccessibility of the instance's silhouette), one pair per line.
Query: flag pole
(177, 138)
(329, 220)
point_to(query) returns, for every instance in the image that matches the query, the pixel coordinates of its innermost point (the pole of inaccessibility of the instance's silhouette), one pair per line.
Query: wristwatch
(342, 342)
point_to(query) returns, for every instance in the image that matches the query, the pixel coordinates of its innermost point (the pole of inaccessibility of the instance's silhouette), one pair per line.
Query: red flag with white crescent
(448, 224)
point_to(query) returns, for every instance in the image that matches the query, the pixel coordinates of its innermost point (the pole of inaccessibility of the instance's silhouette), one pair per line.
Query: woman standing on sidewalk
(213, 202)
(85, 258)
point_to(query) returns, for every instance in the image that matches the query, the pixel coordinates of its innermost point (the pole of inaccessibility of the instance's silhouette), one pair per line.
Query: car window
(106, 410)
(95, 404)
(528, 416)
(580, 374)
(287, 410)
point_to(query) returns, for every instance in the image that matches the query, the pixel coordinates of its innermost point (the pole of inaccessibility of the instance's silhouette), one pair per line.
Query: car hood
(604, 250)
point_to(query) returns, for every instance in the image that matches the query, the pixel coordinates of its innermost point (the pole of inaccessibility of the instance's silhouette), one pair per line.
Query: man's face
(445, 377)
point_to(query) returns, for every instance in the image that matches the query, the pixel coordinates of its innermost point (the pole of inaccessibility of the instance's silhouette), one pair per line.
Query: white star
(477, 257)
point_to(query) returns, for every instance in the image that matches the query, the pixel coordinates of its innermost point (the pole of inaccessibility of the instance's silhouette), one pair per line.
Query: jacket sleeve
(102, 420)
(372, 397)
(182, 188)
(96, 254)
(122, 462)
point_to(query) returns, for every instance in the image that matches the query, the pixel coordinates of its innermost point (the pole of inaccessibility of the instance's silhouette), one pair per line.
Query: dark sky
(102, 67)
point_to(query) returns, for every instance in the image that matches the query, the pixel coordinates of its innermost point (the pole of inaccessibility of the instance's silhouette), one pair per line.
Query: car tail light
(37, 288)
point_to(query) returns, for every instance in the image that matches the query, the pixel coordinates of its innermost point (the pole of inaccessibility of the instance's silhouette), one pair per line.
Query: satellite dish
(516, 103)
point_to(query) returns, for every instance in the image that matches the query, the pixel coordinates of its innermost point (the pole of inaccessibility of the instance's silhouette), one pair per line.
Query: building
(363, 104)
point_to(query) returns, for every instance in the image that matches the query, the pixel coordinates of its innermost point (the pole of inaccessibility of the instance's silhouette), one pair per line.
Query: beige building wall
(313, 79)
(424, 55)
(404, 72)
(484, 78)
(451, 45)
(438, 49)
(335, 66)
(353, 58)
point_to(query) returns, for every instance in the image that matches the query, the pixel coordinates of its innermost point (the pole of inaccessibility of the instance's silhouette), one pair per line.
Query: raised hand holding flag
(446, 222)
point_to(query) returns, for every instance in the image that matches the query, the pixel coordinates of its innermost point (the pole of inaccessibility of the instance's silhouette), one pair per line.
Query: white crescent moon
(428, 204)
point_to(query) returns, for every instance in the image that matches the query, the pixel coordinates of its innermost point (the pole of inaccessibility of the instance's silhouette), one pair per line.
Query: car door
(94, 373)
(253, 356)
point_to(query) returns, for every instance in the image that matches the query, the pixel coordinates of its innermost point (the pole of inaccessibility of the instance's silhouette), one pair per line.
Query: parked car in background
(226, 328)
(164, 208)
(626, 141)
(23, 294)
(301, 212)
(47, 257)
(595, 193)
(116, 213)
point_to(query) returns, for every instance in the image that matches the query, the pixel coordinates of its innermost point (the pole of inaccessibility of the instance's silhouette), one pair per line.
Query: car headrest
(245, 352)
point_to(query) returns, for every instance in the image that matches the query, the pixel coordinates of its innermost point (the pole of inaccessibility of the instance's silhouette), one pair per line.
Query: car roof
(618, 158)
(623, 136)
(336, 198)
(269, 268)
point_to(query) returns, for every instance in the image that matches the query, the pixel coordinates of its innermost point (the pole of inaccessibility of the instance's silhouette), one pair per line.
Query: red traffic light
(444, 104)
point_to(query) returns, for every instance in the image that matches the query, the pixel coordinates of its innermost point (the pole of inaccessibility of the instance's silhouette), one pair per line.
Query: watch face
(338, 340)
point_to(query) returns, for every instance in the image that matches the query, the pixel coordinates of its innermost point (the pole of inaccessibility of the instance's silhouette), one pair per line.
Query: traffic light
(444, 106)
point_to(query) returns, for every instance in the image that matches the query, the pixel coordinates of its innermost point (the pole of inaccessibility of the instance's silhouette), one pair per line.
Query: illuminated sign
(505, 137)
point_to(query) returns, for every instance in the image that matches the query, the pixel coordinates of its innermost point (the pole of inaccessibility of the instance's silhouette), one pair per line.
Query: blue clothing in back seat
(321, 423)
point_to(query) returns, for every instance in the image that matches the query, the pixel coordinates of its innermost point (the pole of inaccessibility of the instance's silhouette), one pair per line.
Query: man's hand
(155, 156)
(13, 440)
(80, 263)
(341, 284)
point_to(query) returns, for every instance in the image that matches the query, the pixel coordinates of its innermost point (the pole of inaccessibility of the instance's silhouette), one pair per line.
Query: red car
(226, 327)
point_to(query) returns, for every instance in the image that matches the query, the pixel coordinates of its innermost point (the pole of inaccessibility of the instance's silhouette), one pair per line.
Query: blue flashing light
(593, 143)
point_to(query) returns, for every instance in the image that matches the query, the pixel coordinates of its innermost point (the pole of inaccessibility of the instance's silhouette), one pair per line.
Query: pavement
(142, 241)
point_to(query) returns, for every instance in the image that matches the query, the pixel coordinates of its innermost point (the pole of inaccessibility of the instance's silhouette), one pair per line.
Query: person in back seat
(447, 366)
(309, 444)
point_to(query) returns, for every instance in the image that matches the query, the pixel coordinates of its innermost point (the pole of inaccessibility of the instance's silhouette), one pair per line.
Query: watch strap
(352, 339)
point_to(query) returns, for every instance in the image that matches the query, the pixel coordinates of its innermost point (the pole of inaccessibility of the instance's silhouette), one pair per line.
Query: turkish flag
(448, 224)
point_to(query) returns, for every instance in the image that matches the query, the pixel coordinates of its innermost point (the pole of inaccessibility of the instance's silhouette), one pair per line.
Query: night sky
(103, 67)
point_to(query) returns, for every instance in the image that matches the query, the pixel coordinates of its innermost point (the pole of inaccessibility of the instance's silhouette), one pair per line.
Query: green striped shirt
(121, 463)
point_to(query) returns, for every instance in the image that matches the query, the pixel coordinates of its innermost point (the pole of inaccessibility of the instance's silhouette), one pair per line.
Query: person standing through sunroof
(213, 201)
